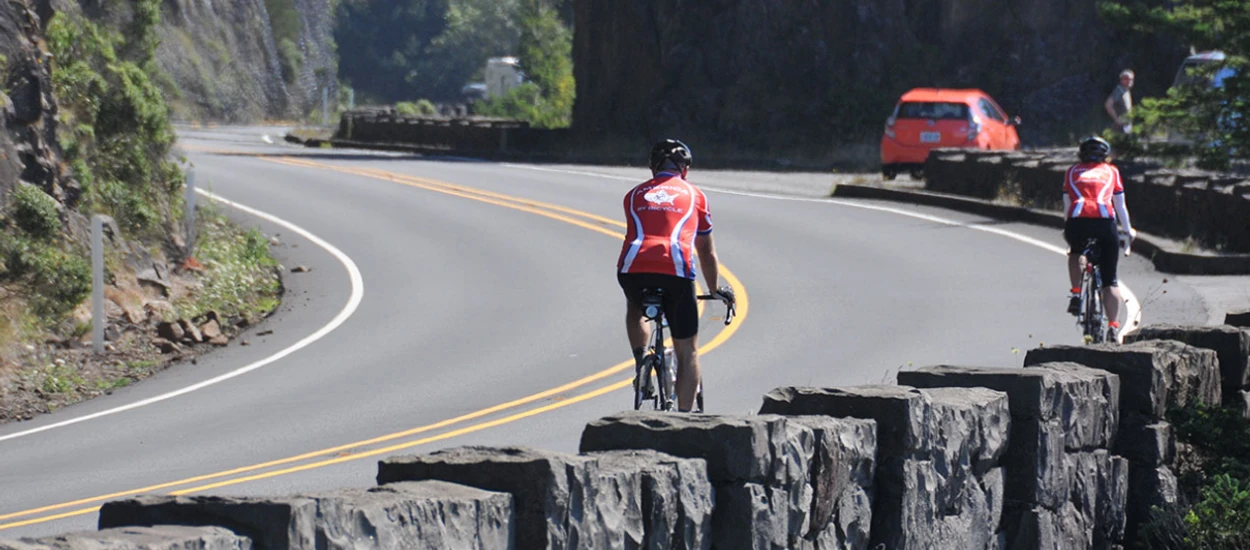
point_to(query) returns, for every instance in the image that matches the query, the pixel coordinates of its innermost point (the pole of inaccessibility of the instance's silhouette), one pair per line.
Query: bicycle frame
(658, 363)
(655, 364)
(1091, 318)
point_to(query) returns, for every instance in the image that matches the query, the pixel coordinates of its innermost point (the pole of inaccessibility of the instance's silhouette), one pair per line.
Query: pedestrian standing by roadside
(1120, 102)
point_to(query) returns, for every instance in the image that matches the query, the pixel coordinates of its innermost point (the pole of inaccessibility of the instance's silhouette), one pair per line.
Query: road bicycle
(655, 378)
(1091, 316)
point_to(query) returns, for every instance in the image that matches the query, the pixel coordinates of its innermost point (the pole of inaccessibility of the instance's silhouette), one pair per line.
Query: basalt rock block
(1231, 345)
(675, 495)
(560, 500)
(164, 537)
(779, 482)
(1154, 374)
(430, 514)
(937, 482)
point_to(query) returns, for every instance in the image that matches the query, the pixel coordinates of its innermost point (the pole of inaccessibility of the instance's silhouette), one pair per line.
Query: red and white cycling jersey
(663, 216)
(1091, 186)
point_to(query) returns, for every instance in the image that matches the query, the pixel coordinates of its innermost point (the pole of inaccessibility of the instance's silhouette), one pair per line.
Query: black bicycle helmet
(1094, 149)
(670, 150)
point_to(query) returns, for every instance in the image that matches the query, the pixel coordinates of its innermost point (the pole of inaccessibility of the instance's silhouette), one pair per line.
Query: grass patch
(240, 277)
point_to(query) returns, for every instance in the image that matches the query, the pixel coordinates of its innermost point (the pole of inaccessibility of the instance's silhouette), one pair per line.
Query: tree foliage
(382, 45)
(1202, 121)
(400, 50)
(546, 55)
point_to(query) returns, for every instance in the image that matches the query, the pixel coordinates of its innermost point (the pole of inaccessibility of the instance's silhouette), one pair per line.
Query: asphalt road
(455, 302)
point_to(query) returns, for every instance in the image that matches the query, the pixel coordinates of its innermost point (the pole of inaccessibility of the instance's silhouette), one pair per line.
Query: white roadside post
(190, 202)
(351, 98)
(97, 284)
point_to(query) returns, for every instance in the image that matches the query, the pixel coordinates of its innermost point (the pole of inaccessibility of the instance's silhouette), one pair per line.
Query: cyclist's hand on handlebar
(1126, 239)
(724, 294)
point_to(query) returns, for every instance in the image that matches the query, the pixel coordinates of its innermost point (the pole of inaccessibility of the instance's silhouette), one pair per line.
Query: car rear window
(932, 109)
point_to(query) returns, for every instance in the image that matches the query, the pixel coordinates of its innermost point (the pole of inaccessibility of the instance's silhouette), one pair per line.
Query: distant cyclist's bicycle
(655, 378)
(1090, 316)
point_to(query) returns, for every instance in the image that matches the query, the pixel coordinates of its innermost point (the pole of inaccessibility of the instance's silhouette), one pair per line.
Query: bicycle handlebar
(730, 308)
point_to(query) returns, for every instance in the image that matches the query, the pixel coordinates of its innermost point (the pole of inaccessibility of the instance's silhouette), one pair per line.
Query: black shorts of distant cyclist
(1078, 230)
(681, 306)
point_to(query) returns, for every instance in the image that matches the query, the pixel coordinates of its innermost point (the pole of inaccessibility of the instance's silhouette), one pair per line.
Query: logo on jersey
(659, 196)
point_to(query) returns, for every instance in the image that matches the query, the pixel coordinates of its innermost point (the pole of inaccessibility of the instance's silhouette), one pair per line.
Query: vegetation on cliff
(1213, 511)
(115, 157)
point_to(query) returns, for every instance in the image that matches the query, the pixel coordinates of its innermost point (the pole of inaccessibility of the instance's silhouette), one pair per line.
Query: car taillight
(889, 127)
(974, 129)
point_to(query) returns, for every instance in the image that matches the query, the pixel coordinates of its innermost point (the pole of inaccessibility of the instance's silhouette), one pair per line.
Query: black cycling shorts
(1079, 230)
(681, 306)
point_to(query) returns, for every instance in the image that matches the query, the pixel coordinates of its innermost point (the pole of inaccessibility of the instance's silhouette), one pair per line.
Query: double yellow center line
(398, 441)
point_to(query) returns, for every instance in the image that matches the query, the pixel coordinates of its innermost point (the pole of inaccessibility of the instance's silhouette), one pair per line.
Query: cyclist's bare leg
(686, 351)
(1111, 300)
(1075, 266)
(637, 327)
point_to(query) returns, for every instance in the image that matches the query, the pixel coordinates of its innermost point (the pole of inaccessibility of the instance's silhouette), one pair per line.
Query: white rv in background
(502, 75)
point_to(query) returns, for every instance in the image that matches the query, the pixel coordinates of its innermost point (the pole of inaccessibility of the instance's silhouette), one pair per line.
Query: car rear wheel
(917, 174)
(889, 174)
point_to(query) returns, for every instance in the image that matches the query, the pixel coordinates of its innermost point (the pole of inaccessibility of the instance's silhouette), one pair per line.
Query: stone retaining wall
(460, 135)
(1069, 452)
(1212, 209)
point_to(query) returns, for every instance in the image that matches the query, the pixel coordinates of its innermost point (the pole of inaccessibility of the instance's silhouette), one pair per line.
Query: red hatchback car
(929, 118)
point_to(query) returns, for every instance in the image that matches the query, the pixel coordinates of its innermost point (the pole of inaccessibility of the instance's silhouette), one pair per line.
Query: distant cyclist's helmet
(1094, 149)
(670, 150)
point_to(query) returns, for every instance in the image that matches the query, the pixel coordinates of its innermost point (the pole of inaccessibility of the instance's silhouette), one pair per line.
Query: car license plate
(930, 137)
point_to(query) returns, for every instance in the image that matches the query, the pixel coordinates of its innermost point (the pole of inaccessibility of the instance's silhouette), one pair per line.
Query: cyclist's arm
(1067, 205)
(1121, 212)
(708, 262)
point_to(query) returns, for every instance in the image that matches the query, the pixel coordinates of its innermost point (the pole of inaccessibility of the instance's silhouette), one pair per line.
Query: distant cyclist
(1093, 201)
(668, 223)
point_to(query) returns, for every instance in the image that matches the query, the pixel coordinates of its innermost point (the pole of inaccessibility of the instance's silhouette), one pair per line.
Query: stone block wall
(462, 135)
(939, 479)
(1069, 452)
(798, 482)
(1211, 208)
(1065, 488)
(1154, 375)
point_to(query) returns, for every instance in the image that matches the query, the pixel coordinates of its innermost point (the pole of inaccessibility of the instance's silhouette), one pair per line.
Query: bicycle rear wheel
(698, 398)
(664, 381)
(1093, 322)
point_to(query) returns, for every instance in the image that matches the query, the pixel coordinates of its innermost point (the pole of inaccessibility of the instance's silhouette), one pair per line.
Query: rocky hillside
(28, 145)
(244, 60)
(784, 76)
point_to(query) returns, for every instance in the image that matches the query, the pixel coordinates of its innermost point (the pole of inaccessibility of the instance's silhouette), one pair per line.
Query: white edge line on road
(358, 291)
(1133, 313)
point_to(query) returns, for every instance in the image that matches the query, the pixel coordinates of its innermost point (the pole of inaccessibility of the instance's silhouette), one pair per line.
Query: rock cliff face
(808, 74)
(28, 147)
(223, 59)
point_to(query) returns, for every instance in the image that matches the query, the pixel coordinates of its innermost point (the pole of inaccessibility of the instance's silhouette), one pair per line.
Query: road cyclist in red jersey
(668, 226)
(1093, 203)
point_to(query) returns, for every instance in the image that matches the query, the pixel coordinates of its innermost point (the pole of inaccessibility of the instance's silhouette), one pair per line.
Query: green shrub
(420, 107)
(35, 212)
(1213, 475)
(1222, 518)
(119, 136)
(58, 280)
(291, 60)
